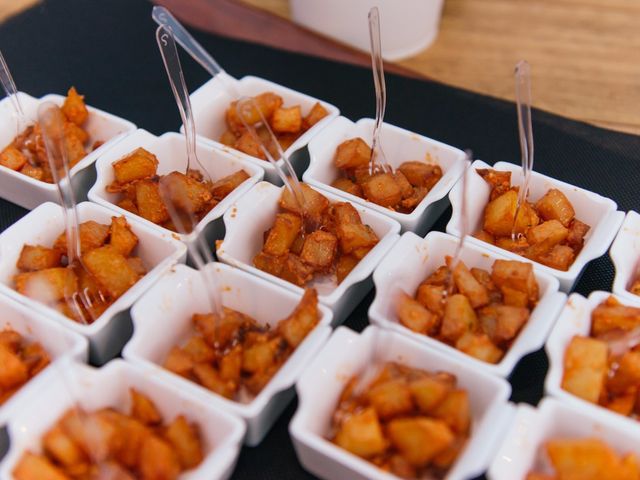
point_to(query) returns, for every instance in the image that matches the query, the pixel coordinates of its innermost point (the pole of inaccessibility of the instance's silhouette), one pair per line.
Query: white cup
(406, 26)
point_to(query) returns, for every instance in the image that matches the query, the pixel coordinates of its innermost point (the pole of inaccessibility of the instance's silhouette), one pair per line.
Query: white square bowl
(413, 258)
(255, 212)
(59, 343)
(575, 319)
(625, 255)
(399, 146)
(211, 100)
(29, 192)
(595, 210)
(73, 384)
(162, 319)
(112, 329)
(346, 354)
(170, 149)
(522, 447)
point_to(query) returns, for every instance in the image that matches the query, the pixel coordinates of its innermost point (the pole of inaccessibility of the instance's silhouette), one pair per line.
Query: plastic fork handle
(9, 87)
(165, 19)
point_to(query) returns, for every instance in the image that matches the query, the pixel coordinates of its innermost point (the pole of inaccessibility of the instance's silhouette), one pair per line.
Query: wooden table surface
(585, 54)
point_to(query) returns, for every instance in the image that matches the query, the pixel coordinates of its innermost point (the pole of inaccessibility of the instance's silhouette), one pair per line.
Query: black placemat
(108, 50)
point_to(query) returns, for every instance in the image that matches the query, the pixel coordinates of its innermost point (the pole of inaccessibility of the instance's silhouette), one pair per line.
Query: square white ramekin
(522, 446)
(170, 149)
(625, 255)
(595, 210)
(29, 192)
(255, 212)
(112, 329)
(60, 343)
(399, 146)
(575, 319)
(73, 384)
(211, 100)
(348, 353)
(413, 258)
(162, 319)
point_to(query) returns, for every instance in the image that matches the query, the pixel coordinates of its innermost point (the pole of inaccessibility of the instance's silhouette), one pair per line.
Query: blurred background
(585, 54)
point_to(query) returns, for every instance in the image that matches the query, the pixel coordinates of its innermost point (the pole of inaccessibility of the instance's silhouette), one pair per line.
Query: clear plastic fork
(9, 87)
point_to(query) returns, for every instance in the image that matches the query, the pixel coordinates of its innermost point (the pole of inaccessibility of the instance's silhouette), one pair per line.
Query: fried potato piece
(516, 275)
(287, 120)
(577, 232)
(352, 154)
(348, 186)
(509, 321)
(344, 265)
(391, 398)
(32, 171)
(302, 320)
(225, 185)
(143, 409)
(33, 258)
(479, 346)
(294, 270)
(432, 297)
(230, 365)
(140, 164)
(421, 174)
(627, 376)
(559, 257)
(459, 317)
(526, 218)
(74, 107)
(158, 460)
(37, 467)
(413, 315)
(319, 250)
(317, 113)
(361, 434)
(199, 350)
(284, 232)
(150, 203)
(612, 315)
(315, 204)
(92, 235)
(469, 286)
(499, 214)
(270, 263)
(552, 232)
(586, 459)
(179, 362)
(186, 193)
(75, 149)
(111, 269)
(455, 411)
(12, 158)
(382, 189)
(429, 391)
(14, 371)
(260, 355)
(585, 368)
(209, 378)
(121, 236)
(419, 439)
(61, 448)
(249, 144)
(47, 286)
(354, 236)
(500, 181)
(554, 205)
(73, 130)
(185, 440)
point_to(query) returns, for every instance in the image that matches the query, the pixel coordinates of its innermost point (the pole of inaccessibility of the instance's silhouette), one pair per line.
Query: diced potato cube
(33, 172)
(12, 158)
(459, 317)
(111, 269)
(259, 356)
(122, 238)
(554, 205)
(348, 186)
(413, 315)
(37, 467)
(428, 392)
(361, 434)
(75, 149)
(250, 144)
(485, 237)
(611, 315)
(585, 368)
(516, 275)
(319, 250)
(92, 235)
(406, 189)
(296, 271)
(185, 193)
(224, 186)
(432, 297)
(74, 107)
(509, 322)
(582, 458)
(149, 202)
(499, 214)
(448, 456)
(526, 218)
(622, 404)
(11, 339)
(296, 326)
(552, 232)
(344, 265)
(420, 174)
(33, 258)
(469, 286)
(270, 263)
(577, 232)
(230, 365)
(391, 398)
(283, 233)
(228, 138)
(455, 411)
(412, 201)
(627, 375)
(287, 120)
(14, 371)
(559, 257)
(179, 362)
(513, 297)
(268, 103)
(138, 165)
(317, 113)
(158, 460)
(185, 440)
(315, 204)
(61, 448)
(352, 154)
(480, 346)
(382, 189)
(353, 236)
(143, 408)
(137, 264)
(199, 350)
(210, 378)
(48, 285)
(419, 439)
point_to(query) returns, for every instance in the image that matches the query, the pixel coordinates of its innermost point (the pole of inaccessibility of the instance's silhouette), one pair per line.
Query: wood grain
(8, 8)
(585, 54)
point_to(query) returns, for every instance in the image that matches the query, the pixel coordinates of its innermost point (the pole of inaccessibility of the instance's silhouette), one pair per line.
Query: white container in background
(412, 259)
(399, 146)
(625, 255)
(255, 212)
(29, 192)
(57, 341)
(406, 26)
(93, 389)
(162, 320)
(347, 353)
(211, 101)
(171, 152)
(574, 320)
(599, 212)
(109, 332)
(522, 449)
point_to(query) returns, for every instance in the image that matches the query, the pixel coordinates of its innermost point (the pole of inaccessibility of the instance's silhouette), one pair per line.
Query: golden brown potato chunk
(319, 250)
(283, 233)
(12, 158)
(414, 316)
(352, 154)
(138, 165)
(317, 113)
(74, 107)
(348, 186)
(611, 315)
(382, 189)
(287, 120)
(296, 326)
(186, 441)
(552, 232)
(92, 235)
(32, 467)
(421, 174)
(459, 317)
(479, 346)
(143, 409)
(500, 213)
(554, 205)
(419, 439)
(361, 434)
(391, 398)
(33, 258)
(111, 269)
(121, 236)
(469, 286)
(345, 264)
(184, 192)
(224, 186)
(47, 286)
(585, 368)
